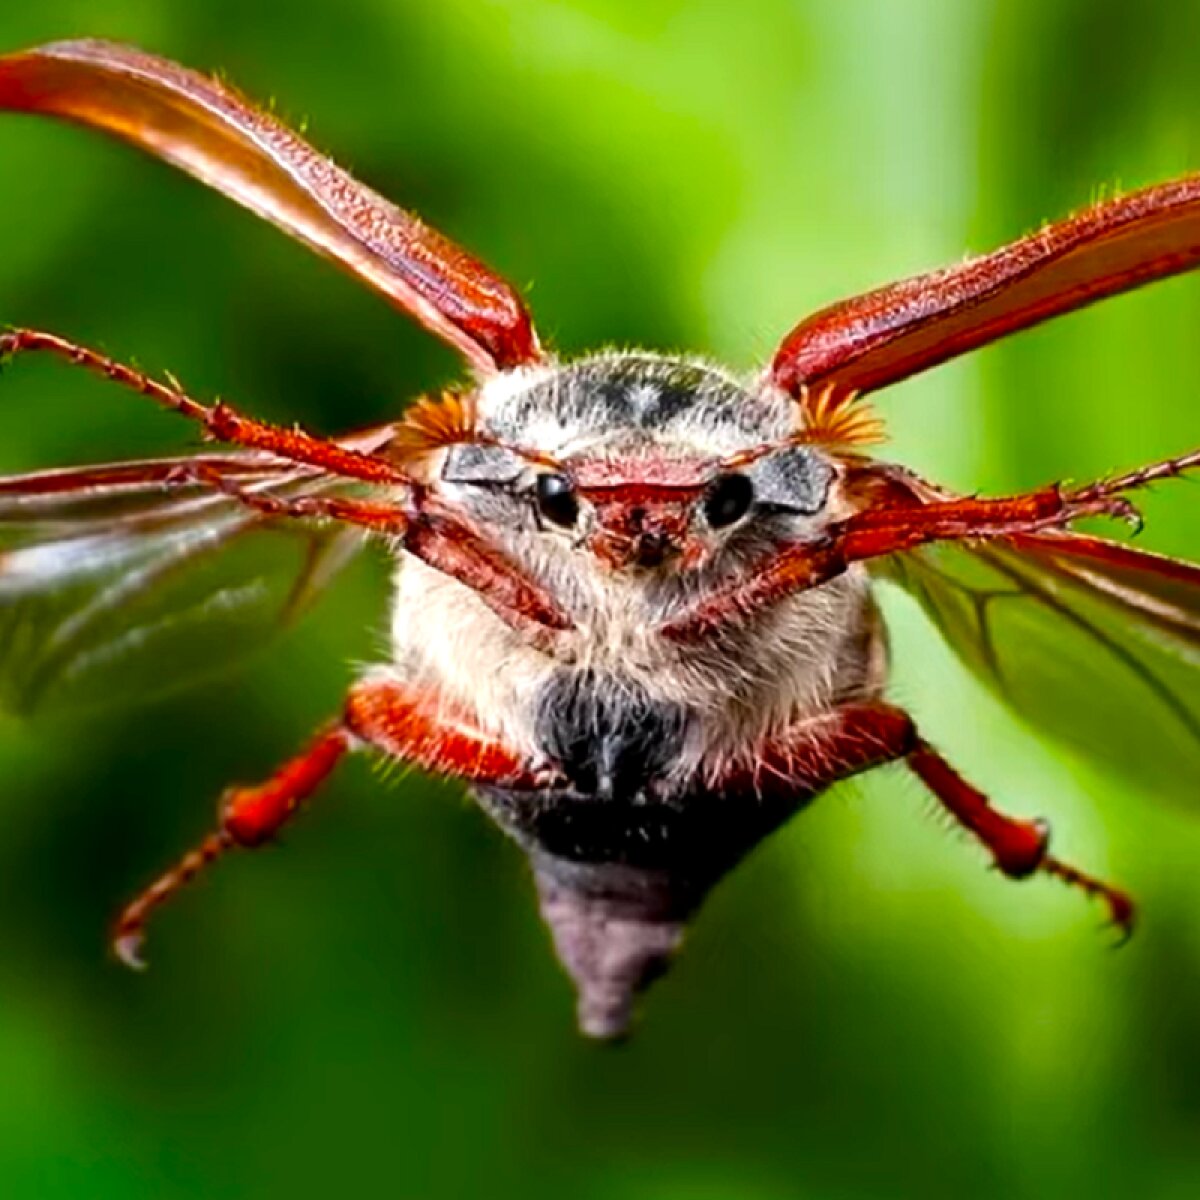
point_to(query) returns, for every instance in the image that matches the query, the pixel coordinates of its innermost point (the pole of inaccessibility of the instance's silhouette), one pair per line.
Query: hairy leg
(249, 816)
(420, 728)
(220, 422)
(415, 518)
(858, 737)
(1018, 847)
(430, 532)
(899, 522)
(402, 722)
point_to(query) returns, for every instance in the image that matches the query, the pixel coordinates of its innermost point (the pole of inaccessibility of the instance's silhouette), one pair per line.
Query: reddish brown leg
(817, 754)
(1170, 468)
(887, 529)
(421, 728)
(1018, 847)
(220, 422)
(249, 816)
(860, 736)
(433, 535)
(400, 721)
(438, 537)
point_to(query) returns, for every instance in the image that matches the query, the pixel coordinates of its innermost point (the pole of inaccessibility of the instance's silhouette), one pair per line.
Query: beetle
(633, 593)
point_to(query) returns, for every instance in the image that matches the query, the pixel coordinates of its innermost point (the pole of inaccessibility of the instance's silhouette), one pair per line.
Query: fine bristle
(839, 419)
(433, 422)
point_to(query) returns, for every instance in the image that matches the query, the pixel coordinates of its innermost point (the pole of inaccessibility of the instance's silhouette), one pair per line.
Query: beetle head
(645, 462)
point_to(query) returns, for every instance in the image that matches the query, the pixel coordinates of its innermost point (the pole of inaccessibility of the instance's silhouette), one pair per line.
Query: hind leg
(404, 723)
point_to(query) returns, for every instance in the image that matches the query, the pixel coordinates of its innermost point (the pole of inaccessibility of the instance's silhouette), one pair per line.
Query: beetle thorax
(636, 531)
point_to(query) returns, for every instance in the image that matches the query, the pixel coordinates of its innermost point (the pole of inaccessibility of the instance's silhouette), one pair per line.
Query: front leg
(900, 513)
(428, 530)
(857, 737)
(891, 528)
(404, 723)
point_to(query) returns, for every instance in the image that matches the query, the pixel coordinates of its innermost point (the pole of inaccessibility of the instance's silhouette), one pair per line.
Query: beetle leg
(249, 817)
(892, 529)
(420, 727)
(403, 722)
(857, 737)
(221, 423)
(1018, 847)
(425, 530)
(815, 754)
(432, 533)
(1169, 468)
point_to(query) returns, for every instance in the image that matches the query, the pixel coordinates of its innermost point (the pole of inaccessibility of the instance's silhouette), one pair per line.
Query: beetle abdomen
(620, 873)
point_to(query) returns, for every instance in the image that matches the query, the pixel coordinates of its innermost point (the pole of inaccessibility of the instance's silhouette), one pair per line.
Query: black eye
(728, 500)
(556, 499)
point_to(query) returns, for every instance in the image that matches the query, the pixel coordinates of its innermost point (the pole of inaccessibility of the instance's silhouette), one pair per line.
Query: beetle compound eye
(728, 500)
(556, 499)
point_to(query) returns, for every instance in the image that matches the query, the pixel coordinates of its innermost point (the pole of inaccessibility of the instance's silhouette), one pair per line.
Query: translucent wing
(127, 580)
(1092, 641)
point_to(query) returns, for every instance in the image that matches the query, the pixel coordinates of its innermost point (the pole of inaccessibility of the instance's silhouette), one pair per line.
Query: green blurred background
(863, 1010)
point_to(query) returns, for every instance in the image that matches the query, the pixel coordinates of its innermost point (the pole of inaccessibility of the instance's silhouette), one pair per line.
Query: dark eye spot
(556, 499)
(728, 500)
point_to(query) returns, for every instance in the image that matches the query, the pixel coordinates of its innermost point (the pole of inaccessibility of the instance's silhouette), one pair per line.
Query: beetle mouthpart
(611, 945)
(630, 532)
(619, 552)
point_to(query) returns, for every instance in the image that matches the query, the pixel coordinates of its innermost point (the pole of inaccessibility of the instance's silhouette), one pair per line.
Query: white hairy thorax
(791, 664)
